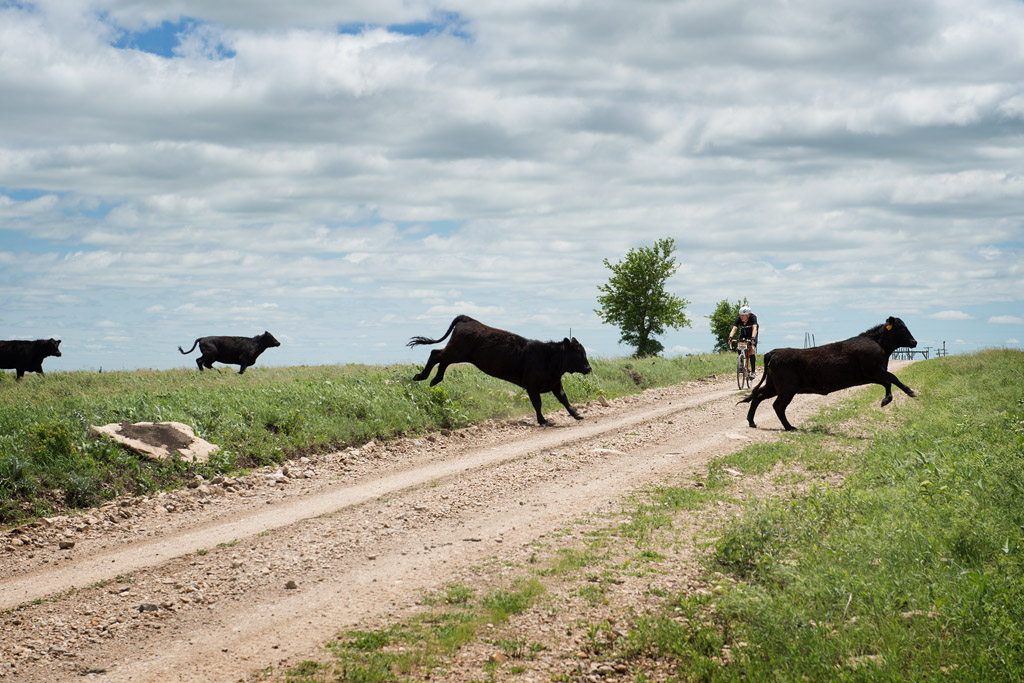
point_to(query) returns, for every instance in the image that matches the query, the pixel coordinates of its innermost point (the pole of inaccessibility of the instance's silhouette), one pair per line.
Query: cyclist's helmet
(745, 310)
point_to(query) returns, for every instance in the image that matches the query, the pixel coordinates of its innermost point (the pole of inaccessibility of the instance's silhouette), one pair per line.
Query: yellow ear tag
(888, 327)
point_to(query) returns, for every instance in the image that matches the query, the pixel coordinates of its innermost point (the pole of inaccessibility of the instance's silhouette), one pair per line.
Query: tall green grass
(912, 570)
(50, 461)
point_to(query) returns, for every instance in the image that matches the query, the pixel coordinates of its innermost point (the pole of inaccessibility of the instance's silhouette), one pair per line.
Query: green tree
(721, 322)
(635, 300)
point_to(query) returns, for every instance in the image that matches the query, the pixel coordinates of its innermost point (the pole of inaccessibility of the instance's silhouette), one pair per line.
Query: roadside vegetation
(913, 569)
(416, 647)
(887, 544)
(50, 461)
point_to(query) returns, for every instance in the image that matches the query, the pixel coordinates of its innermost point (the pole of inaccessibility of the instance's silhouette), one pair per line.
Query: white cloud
(1007, 320)
(279, 173)
(685, 350)
(950, 315)
(462, 308)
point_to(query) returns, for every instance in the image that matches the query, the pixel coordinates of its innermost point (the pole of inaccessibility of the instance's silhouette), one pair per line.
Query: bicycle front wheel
(741, 373)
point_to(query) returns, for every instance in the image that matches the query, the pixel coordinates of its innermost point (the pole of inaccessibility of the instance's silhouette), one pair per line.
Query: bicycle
(742, 373)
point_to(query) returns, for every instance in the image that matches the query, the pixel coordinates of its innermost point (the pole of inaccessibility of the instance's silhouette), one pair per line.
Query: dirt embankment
(233, 575)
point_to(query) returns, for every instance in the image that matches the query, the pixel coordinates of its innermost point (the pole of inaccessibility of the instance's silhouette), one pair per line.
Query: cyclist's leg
(753, 358)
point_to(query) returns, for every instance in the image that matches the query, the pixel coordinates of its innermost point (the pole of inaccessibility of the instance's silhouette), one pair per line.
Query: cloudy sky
(350, 174)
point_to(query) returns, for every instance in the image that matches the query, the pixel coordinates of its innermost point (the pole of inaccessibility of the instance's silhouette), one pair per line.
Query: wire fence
(906, 353)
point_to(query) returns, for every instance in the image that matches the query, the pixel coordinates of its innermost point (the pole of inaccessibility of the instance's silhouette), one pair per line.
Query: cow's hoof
(578, 417)
(912, 394)
(887, 400)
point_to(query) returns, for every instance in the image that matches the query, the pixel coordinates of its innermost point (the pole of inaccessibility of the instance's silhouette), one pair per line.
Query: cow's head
(575, 356)
(267, 340)
(897, 335)
(52, 347)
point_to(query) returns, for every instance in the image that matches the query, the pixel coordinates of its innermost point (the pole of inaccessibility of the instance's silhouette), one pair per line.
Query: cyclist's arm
(731, 333)
(753, 333)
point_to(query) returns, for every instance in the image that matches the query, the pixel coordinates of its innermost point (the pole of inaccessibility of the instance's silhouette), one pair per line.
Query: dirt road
(231, 576)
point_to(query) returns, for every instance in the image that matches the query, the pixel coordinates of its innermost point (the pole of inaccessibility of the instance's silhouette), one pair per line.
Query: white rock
(159, 440)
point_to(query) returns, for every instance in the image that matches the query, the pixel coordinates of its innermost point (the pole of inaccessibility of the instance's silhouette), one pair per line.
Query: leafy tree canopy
(721, 322)
(635, 300)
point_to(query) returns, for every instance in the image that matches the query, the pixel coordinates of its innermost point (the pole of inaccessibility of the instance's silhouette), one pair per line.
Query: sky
(347, 175)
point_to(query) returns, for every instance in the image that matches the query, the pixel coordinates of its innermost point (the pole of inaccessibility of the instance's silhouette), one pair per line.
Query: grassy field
(50, 461)
(912, 569)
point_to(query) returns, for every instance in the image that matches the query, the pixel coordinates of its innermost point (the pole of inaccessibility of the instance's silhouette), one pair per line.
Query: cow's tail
(416, 341)
(194, 344)
(764, 375)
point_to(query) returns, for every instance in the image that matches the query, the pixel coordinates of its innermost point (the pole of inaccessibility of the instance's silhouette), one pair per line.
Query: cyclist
(746, 323)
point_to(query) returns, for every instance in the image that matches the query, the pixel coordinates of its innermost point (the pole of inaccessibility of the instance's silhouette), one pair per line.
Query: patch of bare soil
(157, 434)
(223, 579)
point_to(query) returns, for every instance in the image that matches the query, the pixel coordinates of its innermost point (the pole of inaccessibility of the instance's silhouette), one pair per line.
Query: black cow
(859, 360)
(241, 351)
(27, 356)
(533, 365)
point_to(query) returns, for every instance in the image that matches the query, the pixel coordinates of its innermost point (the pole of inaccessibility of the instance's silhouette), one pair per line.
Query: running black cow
(241, 351)
(533, 365)
(27, 356)
(863, 359)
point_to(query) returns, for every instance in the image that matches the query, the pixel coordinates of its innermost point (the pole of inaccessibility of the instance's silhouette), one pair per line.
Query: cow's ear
(566, 341)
